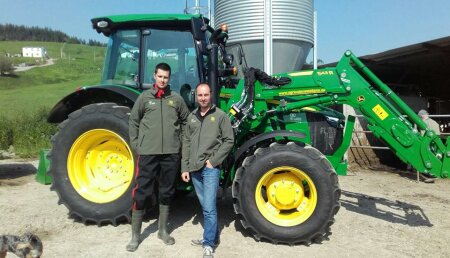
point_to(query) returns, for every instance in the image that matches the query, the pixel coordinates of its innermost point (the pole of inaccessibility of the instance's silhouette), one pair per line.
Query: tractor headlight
(102, 24)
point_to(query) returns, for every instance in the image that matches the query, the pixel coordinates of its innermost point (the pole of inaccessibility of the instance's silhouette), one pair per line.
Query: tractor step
(42, 175)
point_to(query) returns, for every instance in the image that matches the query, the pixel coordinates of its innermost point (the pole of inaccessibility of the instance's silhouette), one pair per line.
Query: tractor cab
(137, 43)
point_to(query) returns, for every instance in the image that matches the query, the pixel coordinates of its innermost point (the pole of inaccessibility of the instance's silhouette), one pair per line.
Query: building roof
(420, 69)
(32, 47)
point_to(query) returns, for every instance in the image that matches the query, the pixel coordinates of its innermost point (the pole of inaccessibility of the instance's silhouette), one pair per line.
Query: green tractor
(282, 170)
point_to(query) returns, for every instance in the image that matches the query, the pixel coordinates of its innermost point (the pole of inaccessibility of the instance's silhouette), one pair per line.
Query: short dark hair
(164, 67)
(203, 83)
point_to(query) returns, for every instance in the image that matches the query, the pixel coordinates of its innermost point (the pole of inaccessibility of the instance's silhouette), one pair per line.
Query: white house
(34, 52)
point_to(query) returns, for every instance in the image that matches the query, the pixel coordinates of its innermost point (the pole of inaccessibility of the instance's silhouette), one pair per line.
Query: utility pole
(62, 50)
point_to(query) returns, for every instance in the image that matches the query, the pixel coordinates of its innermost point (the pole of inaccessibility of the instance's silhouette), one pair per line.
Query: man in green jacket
(155, 125)
(207, 140)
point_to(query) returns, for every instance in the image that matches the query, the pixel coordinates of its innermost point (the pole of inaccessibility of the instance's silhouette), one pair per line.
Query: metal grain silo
(276, 35)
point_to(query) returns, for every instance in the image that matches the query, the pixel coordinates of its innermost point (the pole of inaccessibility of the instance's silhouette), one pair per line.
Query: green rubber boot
(162, 225)
(136, 225)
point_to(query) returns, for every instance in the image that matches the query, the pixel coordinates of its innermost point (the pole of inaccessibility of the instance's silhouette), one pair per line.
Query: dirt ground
(383, 214)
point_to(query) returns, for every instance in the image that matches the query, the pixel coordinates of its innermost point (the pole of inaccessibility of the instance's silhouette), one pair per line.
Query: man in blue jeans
(207, 140)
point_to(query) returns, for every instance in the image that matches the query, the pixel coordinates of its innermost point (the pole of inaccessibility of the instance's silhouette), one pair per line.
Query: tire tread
(120, 112)
(311, 152)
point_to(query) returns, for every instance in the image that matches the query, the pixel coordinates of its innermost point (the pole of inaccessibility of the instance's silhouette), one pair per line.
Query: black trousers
(165, 168)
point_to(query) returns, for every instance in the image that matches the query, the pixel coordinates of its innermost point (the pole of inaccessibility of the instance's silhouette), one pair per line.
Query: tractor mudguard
(121, 95)
(262, 137)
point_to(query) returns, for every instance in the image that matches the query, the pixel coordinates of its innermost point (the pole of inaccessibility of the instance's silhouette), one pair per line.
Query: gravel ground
(383, 214)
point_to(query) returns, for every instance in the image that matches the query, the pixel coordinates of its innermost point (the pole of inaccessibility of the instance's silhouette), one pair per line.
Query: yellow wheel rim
(286, 196)
(100, 166)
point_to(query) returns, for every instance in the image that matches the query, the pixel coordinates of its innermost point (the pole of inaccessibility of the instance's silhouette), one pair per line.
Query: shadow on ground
(13, 174)
(187, 207)
(384, 209)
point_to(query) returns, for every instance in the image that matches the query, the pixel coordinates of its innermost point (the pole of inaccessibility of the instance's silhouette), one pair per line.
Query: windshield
(175, 48)
(122, 58)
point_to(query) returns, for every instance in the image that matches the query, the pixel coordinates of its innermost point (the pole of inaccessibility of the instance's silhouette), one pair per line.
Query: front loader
(283, 177)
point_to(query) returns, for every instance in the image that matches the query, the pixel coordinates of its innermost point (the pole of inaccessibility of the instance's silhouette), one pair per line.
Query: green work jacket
(155, 124)
(205, 138)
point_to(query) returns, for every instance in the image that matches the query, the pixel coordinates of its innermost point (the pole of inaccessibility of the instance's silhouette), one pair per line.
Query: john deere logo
(360, 98)
(213, 119)
(171, 103)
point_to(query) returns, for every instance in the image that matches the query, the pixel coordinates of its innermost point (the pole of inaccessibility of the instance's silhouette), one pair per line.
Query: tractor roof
(131, 21)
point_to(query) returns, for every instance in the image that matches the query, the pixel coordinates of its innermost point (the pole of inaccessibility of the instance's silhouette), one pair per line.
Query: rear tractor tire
(286, 193)
(92, 165)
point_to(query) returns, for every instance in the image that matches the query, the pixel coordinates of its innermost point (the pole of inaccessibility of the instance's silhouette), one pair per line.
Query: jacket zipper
(162, 127)
(199, 134)
(201, 126)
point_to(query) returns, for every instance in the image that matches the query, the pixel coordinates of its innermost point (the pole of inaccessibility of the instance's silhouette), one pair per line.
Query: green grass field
(44, 86)
(27, 97)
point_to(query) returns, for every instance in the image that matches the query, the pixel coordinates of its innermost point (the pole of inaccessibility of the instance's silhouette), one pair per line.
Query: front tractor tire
(286, 193)
(92, 165)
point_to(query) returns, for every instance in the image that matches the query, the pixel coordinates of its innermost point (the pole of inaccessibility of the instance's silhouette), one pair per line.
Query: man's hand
(185, 176)
(208, 164)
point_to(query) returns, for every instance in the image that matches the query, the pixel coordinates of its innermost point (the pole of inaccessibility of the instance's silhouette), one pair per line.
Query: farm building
(40, 52)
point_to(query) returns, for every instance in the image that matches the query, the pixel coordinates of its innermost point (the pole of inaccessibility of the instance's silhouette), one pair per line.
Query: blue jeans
(206, 183)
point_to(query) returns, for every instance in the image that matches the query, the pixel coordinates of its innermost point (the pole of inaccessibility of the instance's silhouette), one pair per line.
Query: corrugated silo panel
(291, 27)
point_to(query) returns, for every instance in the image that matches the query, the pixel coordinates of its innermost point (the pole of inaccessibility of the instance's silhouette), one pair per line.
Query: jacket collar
(167, 91)
(196, 112)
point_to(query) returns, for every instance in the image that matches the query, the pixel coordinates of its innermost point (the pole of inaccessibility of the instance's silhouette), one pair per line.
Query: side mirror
(228, 59)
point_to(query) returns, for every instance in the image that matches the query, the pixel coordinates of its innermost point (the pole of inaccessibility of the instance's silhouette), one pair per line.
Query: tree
(11, 32)
(6, 66)
(319, 62)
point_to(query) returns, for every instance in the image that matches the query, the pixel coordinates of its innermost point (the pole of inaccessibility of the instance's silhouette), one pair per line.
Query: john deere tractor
(282, 170)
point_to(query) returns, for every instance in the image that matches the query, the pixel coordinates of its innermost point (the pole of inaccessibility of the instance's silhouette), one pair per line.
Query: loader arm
(391, 119)
(352, 83)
